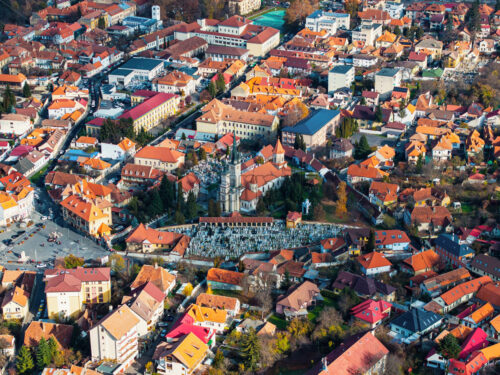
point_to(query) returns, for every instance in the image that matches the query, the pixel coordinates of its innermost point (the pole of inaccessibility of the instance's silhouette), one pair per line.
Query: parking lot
(33, 240)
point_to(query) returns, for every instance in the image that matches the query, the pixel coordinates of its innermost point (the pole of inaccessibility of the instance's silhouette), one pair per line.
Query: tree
(218, 210)
(26, 90)
(397, 30)
(9, 99)
(419, 32)
(116, 262)
(218, 359)
(370, 244)
(347, 128)
(299, 143)
(202, 154)
(188, 289)
(102, 23)
(220, 84)
(394, 365)
(212, 89)
(211, 208)
(191, 206)
(319, 213)
(179, 217)
(379, 116)
(155, 208)
(449, 347)
(43, 355)
(473, 16)
(167, 193)
(72, 261)
(250, 351)
(497, 5)
(53, 347)
(261, 206)
(420, 164)
(300, 327)
(362, 148)
(341, 208)
(24, 361)
(297, 13)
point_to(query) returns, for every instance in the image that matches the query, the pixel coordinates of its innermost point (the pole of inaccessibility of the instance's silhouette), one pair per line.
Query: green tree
(419, 32)
(9, 99)
(449, 346)
(220, 84)
(155, 208)
(116, 262)
(72, 261)
(52, 347)
(420, 164)
(473, 17)
(218, 359)
(202, 154)
(497, 5)
(212, 89)
(362, 148)
(179, 217)
(26, 91)
(261, 206)
(379, 116)
(397, 30)
(370, 244)
(212, 210)
(250, 351)
(299, 143)
(167, 193)
(191, 206)
(102, 23)
(341, 208)
(24, 361)
(218, 209)
(43, 355)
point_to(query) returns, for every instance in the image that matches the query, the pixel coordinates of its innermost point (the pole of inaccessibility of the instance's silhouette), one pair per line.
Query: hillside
(19, 11)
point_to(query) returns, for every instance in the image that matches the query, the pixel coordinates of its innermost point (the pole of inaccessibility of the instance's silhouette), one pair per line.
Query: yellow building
(219, 118)
(153, 111)
(92, 216)
(293, 219)
(69, 290)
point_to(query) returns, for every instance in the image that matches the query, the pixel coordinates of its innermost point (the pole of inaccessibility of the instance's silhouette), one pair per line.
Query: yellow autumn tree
(188, 289)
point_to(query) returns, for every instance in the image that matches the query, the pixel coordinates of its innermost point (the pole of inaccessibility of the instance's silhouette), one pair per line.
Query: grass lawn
(279, 322)
(38, 175)
(466, 208)
(314, 313)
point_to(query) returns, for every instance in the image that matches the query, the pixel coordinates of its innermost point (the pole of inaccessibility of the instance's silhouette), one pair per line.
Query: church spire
(235, 157)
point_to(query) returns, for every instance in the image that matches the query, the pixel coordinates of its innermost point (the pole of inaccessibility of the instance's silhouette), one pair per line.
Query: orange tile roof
(215, 301)
(424, 260)
(463, 289)
(482, 313)
(97, 164)
(88, 140)
(11, 78)
(36, 330)
(142, 234)
(83, 208)
(159, 153)
(373, 260)
(159, 276)
(224, 276)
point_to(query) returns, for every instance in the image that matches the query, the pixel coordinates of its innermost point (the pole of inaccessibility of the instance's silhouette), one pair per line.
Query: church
(241, 192)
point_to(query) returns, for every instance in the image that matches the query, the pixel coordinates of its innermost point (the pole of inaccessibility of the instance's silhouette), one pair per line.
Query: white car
(41, 265)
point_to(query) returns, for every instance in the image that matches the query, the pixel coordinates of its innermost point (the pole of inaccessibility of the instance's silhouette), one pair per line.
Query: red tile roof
(373, 260)
(147, 106)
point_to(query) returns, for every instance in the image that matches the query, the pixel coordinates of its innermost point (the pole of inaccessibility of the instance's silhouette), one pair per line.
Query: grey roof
(24, 165)
(141, 63)
(451, 244)
(313, 123)
(341, 69)
(417, 320)
(387, 72)
(121, 72)
(488, 264)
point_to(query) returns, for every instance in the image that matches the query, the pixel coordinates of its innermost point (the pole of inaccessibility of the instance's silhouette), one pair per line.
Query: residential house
(485, 265)
(37, 330)
(341, 148)
(364, 286)
(92, 216)
(206, 317)
(8, 345)
(340, 76)
(421, 262)
(438, 284)
(161, 158)
(350, 357)
(125, 148)
(371, 312)
(456, 296)
(147, 303)
(452, 250)
(15, 124)
(480, 316)
(15, 304)
(374, 263)
(297, 300)
(218, 278)
(176, 82)
(359, 173)
(413, 324)
(392, 239)
(430, 219)
(383, 193)
(156, 275)
(147, 240)
(183, 356)
(115, 338)
(441, 152)
(69, 290)
(230, 304)
(385, 81)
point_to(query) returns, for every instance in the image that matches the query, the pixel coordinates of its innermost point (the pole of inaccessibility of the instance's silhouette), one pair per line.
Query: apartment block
(340, 76)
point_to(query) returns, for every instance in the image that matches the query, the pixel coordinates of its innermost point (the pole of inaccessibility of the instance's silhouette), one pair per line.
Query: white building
(368, 32)
(148, 306)
(395, 9)
(15, 304)
(329, 21)
(12, 123)
(181, 357)
(121, 151)
(115, 338)
(136, 69)
(340, 76)
(385, 81)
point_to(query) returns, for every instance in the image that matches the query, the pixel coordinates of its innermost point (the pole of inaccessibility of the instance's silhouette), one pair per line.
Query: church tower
(279, 154)
(230, 187)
